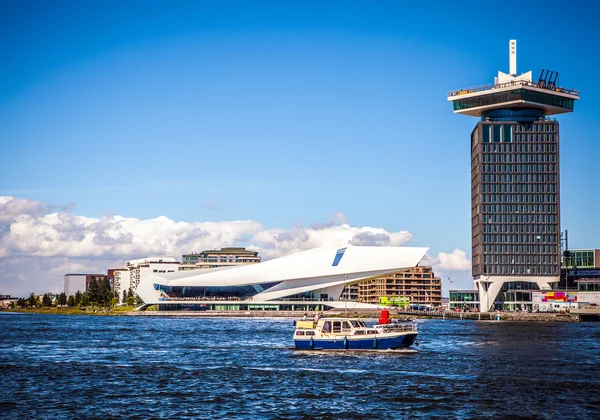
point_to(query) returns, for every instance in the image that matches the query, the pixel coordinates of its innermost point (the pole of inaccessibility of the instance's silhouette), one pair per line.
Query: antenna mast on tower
(512, 55)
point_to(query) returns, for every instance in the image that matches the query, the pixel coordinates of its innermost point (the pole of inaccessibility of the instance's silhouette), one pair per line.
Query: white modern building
(145, 267)
(312, 279)
(122, 279)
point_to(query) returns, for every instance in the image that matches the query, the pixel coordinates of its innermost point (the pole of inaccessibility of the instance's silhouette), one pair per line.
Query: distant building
(122, 281)
(419, 284)
(579, 264)
(224, 257)
(588, 291)
(95, 277)
(6, 300)
(145, 266)
(74, 283)
(464, 299)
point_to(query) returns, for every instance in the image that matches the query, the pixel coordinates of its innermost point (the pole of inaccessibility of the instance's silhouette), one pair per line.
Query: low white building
(122, 282)
(589, 291)
(143, 267)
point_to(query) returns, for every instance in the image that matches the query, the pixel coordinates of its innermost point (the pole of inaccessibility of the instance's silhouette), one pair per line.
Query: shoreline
(470, 316)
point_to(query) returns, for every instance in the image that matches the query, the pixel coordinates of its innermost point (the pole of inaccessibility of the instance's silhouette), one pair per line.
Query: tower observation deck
(515, 93)
(515, 183)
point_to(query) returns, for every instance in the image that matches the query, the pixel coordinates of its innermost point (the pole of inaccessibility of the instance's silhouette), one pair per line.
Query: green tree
(32, 300)
(130, 300)
(71, 301)
(124, 296)
(62, 299)
(130, 292)
(93, 291)
(78, 297)
(46, 300)
(21, 303)
(85, 299)
(106, 293)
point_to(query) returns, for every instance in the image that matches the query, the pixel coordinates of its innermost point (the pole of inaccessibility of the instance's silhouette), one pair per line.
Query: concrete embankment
(364, 313)
(404, 316)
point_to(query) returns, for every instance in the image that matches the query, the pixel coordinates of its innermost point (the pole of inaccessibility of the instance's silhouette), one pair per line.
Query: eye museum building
(309, 280)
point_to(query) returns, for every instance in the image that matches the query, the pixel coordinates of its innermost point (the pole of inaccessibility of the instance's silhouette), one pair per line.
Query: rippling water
(78, 366)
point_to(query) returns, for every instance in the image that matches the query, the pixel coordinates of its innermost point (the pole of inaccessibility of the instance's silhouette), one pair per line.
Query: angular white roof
(304, 271)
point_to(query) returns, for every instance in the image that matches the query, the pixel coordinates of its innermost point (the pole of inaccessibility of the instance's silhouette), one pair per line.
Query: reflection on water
(78, 366)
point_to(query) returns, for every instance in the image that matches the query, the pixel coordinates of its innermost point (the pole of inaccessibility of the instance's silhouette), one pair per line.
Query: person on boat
(304, 318)
(317, 317)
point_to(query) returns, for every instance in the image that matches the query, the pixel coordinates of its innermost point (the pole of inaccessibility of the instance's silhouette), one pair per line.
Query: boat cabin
(325, 326)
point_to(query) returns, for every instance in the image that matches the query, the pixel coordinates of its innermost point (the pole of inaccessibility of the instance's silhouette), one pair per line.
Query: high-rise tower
(515, 181)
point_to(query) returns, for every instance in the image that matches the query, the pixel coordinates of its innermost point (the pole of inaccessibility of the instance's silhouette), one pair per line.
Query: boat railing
(400, 327)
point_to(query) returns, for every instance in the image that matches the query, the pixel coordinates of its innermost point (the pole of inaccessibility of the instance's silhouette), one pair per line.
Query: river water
(54, 366)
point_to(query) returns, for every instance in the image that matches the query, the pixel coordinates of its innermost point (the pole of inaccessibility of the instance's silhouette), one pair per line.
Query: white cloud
(455, 261)
(41, 243)
(454, 269)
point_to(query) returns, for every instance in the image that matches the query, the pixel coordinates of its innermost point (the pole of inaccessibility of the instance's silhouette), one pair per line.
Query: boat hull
(357, 343)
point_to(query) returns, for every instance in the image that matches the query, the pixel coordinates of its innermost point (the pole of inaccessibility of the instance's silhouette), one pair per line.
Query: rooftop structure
(223, 257)
(520, 94)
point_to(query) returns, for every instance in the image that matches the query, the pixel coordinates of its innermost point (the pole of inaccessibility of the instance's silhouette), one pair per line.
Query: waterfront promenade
(401, 315)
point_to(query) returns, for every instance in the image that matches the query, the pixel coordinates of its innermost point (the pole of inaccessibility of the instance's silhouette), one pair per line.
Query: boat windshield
(357, 324)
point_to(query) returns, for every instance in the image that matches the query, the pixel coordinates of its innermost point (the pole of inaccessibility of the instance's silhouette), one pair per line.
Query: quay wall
(403, 316)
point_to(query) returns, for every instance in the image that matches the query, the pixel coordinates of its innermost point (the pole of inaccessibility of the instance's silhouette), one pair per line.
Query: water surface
(56, 366)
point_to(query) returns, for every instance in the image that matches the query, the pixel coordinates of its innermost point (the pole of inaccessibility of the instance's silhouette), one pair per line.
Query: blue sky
(284, 113)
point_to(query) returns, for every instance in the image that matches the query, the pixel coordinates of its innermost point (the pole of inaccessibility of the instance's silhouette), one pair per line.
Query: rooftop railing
(493, 86)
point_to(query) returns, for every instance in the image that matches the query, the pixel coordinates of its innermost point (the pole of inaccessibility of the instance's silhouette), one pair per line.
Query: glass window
(508, 133)
(497, 133)
(485, 131)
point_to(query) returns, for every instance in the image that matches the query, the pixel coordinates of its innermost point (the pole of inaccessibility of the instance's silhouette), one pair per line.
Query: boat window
(355, 323)
(359, 332)
(371, 332)
(346, 325)
(299, 332)
(362, 324)
(327, 326)
(337, 326)
(310, 333)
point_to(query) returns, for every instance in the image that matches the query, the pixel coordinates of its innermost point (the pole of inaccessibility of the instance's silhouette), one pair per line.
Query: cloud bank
(40, 243)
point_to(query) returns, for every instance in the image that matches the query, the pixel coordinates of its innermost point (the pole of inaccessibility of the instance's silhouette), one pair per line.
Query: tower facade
(515, 181)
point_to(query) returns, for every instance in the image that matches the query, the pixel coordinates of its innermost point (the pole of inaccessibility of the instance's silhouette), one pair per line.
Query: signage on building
(585, 273)
(394, 300)
(553, 297)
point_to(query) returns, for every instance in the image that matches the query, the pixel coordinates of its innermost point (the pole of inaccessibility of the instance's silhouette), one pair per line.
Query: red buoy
(385, 317)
